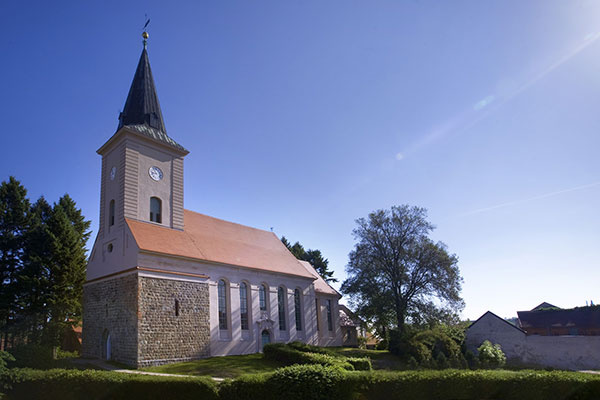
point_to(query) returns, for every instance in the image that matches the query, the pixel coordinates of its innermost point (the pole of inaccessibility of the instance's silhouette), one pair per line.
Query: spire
(142, 106)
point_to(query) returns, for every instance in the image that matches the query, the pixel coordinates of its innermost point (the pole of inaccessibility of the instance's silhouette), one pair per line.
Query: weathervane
(144, 33)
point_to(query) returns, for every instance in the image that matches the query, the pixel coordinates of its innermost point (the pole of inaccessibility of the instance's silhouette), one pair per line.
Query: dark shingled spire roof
(141, 112)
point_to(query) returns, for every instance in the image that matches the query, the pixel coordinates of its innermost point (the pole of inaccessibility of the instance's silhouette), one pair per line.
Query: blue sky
(304, 116)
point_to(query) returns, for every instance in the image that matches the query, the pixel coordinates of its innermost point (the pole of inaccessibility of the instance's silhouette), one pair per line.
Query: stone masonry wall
(164, 336)
(110, 306)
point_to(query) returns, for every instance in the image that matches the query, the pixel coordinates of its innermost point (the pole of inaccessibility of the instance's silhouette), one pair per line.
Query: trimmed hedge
(91, 385)
(467, 385)
(307, 382)
(287, 355)
(297, 382)
(300, 353)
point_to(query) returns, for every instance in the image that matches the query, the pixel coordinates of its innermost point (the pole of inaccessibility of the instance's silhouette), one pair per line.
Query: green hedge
(300, 353)
(297, 382)
(287, 355)
(63, 384)
(318, 382)
(467, 385)
(307, 382)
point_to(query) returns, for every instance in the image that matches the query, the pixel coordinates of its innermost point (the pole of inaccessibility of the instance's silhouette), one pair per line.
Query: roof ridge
(229, 222)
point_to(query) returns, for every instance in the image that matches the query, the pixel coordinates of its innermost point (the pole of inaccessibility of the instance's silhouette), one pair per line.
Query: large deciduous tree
(397, 274)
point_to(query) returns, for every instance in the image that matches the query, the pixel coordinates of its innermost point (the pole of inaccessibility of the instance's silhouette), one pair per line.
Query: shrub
(360, 363)
(308, 348)
(383, 344)
(5, 358)
(441, 362)
(362, 342)
(438, 342)
(92, 385)
(246, 387)
(297, 382)
(32, 356)
(454, 384)
(310, 382)
(491, 355)
(288, 354)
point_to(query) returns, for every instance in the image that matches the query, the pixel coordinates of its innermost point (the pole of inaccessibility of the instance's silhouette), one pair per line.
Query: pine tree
(35, 277)
(68, 234)
(14, 220)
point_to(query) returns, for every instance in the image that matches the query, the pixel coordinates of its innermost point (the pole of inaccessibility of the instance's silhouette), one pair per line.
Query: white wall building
(166, 284)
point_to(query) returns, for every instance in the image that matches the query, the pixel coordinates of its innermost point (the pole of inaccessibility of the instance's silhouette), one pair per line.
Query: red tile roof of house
(211, 239)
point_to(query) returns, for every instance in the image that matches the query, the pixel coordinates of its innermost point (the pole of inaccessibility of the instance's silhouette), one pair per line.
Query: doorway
(265, 337)
(106, 345)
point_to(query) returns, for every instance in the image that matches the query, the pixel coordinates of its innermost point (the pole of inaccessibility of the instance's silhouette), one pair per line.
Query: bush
(288, 354)
(310, 382)
(308, 348)
(383, 344)
(306, 382)
(92, 385)
(360, 363)
(454, 384)
(32, 356)
(491, 355)
(362, 342)
(297, 382)
(438, 342)
(5, 358)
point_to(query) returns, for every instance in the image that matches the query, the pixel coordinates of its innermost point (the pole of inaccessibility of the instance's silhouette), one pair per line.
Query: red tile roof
(321, 285)
(211, 239)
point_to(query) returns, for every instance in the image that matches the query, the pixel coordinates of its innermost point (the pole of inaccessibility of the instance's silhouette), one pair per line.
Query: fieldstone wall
(173, 321)
(110, 306)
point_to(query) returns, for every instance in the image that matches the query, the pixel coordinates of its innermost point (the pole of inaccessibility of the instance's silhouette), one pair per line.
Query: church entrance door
(265, 337)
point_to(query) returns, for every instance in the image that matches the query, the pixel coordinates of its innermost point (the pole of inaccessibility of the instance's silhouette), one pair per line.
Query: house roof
(214, 240)
(348, 318)
(542, 306)
(321, 286)
(580, 317)
(497, 317)
(142, 112)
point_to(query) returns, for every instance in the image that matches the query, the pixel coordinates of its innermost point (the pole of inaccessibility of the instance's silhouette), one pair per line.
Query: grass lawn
(221, 367)
(234, 366)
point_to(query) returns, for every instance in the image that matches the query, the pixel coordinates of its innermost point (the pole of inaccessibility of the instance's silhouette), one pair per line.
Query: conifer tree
(68, 234)
(14, 221)
(35, 277)
(314, 257)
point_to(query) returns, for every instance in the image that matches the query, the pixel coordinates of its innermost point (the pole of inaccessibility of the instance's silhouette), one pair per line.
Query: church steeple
(141, 113)
(142, 106)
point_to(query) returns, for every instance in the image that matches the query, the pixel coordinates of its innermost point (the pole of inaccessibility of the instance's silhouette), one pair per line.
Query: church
(165, 284)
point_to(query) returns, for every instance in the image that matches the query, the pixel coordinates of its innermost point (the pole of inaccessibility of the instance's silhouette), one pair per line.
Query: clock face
(155, 173)
(113, 173)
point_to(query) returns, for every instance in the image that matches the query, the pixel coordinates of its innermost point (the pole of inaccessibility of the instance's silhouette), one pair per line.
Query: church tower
(142, 173)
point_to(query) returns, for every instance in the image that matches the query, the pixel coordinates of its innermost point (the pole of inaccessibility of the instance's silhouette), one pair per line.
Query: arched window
(329, 316)
(297, 309)
(222, 305)
(262, 297)
(111, 213)
(318, 311)
(281, 308)
(244, 305)
(155, 210)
